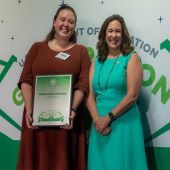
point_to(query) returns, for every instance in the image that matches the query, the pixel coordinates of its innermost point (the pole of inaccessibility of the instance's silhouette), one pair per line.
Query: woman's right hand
(27, 95)
(29, 120)
(102, 123)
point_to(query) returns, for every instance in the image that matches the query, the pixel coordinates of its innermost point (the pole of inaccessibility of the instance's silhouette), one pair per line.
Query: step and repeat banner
(22, 22)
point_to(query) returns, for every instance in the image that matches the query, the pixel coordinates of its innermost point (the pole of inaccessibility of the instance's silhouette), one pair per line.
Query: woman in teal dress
(116, 139)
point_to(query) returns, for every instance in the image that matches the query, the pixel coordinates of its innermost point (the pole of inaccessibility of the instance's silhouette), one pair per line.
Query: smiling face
(114, 36)
(65, 24)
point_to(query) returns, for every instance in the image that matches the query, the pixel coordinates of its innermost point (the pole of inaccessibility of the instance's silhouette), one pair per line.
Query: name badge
(62, 55)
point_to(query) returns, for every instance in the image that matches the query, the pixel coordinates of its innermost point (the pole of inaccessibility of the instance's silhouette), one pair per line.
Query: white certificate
(52, 100)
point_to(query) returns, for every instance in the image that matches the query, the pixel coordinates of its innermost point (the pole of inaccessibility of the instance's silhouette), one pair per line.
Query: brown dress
(53, 148)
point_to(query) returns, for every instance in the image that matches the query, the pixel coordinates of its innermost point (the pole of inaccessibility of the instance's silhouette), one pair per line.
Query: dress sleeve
(83, 80)
(26, 75)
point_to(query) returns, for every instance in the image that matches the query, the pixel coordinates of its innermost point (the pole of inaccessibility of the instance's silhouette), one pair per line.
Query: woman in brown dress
(54, 148)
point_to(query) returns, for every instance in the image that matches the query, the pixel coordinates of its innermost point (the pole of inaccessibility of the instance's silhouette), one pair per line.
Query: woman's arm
(91, 105)
(27, 95)
(81, 86)
(91, 101)
(134, 80)
(77, 99)
(26, 82)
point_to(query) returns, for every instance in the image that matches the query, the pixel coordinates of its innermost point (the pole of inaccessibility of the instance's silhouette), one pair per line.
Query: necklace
(105, 87)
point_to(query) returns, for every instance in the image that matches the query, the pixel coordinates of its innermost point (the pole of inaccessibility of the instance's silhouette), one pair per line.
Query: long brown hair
(51, 34)
(126, 46)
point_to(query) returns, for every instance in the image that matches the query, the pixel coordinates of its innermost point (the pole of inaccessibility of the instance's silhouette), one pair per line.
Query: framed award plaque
(52, 100)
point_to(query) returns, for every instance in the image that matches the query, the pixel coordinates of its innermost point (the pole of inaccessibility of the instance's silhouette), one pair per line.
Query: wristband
(111, 116)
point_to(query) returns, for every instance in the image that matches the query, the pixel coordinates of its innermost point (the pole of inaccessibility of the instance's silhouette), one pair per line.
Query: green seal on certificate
(52, 100)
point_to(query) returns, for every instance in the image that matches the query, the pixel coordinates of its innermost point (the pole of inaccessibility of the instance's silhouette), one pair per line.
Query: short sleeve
(83, 80)
(26, 75)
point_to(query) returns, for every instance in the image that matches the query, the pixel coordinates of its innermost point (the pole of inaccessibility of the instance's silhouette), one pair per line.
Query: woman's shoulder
(36, 46)
(133, 54)
(39, 43)
(128, 56)
(96, 62)
(131, 57)
(80, 46)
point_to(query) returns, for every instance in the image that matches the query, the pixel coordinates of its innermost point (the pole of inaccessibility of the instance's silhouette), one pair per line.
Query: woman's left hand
(70, 126)
(101, 123)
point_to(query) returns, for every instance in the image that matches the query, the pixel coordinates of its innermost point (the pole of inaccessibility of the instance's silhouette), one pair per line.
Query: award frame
(52, 100)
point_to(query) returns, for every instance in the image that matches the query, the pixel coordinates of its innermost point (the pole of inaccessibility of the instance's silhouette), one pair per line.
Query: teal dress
(123, 148)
